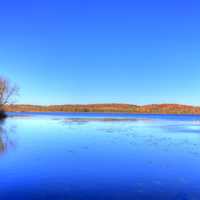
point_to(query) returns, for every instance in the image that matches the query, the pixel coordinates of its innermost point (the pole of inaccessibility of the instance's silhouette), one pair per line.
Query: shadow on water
(5, 141)
(3, 115)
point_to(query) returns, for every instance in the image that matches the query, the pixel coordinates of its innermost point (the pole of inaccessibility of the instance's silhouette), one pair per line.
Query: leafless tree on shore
(8, 91)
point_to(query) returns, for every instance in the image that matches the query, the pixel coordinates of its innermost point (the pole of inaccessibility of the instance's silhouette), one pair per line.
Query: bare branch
(7, 91)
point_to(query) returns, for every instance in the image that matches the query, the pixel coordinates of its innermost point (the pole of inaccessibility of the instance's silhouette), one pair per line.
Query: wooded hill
(123, 108)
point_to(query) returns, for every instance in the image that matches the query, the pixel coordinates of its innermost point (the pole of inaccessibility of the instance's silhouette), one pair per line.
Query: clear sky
(98, 51)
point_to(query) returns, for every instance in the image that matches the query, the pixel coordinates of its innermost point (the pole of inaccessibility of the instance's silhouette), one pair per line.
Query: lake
(83, 156)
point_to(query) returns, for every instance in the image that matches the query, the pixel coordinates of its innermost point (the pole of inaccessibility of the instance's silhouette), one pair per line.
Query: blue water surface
(88, 156)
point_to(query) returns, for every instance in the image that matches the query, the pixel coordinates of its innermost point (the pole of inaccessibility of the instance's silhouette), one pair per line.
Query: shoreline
(111, 113)
(3, 115)
(177, 109)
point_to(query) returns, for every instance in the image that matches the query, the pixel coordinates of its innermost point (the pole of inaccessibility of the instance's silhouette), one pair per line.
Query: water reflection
(6, 141)
(88, 158)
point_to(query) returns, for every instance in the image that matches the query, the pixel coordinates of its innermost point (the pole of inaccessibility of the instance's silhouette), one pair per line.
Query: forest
(108, 108)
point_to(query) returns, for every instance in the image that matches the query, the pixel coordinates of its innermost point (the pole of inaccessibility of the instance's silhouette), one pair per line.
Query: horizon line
(86, 104)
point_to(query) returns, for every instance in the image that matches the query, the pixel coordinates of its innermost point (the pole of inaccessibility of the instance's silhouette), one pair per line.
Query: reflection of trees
(5, 141)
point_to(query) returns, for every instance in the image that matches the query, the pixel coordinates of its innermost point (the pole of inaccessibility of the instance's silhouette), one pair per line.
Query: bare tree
(7, 91)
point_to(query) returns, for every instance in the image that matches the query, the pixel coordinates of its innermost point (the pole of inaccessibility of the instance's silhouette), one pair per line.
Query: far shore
(109, 108)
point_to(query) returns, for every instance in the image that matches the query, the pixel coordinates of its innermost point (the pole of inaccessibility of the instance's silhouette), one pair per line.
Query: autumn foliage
(123, 108)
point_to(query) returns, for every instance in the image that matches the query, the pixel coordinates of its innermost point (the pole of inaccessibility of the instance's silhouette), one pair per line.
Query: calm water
(99, 156)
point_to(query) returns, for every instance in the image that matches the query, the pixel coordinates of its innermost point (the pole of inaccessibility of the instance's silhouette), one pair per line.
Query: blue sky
(97, 51)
